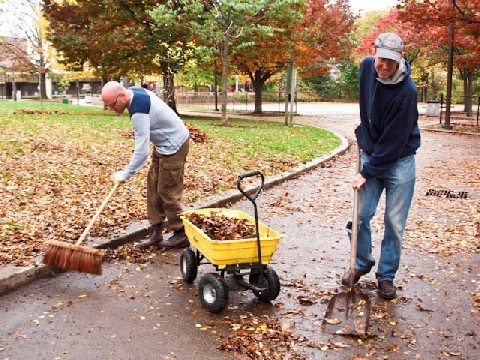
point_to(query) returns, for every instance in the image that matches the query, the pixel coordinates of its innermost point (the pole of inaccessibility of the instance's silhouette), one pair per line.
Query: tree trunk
(468, 91)
(43, 87)
(14, 90)
(258, 83)
(290, 94)
(224, 93)
(169, 87)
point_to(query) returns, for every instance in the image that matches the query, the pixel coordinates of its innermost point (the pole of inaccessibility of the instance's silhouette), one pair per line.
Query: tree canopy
(425, 28)
(113, 37)
(258, 38)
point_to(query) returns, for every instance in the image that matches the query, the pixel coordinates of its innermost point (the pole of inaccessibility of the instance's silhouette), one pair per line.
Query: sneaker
(346, 277)
(177, 241)
(386, 289)
(348, 229)
(155, 238)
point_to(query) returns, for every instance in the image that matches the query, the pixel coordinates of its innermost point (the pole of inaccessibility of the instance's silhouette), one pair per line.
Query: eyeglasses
(114, 103)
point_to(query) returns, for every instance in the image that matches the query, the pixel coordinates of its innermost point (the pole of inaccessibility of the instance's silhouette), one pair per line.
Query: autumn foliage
(424, 27)
(432, 20)
(110, 37)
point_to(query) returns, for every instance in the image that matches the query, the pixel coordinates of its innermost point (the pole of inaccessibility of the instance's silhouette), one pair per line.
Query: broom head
(73, 257)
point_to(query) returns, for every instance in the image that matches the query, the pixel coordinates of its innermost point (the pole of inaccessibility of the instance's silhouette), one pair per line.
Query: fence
(238, 99)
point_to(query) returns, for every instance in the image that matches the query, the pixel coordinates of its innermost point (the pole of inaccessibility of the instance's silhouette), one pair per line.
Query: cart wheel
(213, 292)
(273, 285)
(188, 264)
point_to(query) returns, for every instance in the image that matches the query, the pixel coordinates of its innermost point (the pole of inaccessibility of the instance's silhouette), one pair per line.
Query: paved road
(434, 315)
(147, 312)
(304, 109)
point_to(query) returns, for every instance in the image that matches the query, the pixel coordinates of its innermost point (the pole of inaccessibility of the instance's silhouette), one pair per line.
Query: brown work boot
(155, 238)
(177, 241)
(346, 277)
(386, 289)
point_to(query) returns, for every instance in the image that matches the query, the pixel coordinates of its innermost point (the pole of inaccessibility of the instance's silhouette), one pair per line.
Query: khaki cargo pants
(165, 187)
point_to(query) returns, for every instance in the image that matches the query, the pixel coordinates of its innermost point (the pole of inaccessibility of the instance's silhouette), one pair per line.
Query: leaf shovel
(348, 312)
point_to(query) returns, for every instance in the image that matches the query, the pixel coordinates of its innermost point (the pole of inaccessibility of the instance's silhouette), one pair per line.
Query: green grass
(90, 125)
(268, 139)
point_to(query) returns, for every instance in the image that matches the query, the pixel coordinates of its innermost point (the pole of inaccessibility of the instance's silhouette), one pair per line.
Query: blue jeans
(399, 183)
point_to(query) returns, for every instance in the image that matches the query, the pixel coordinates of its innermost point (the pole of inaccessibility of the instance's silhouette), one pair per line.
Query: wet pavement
(146, 311)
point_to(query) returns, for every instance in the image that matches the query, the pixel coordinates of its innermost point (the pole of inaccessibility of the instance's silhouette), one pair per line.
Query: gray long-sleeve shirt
(153, 121)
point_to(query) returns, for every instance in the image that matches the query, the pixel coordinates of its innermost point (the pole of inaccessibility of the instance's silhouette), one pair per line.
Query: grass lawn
(58, 161)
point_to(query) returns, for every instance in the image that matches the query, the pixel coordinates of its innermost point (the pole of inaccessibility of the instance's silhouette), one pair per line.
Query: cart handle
(259, 188)
(252, 200)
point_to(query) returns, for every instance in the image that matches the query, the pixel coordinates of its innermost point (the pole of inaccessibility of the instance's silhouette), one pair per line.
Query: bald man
(154, 121)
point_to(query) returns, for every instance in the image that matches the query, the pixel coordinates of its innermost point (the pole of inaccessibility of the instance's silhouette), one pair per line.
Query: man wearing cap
(389, 137)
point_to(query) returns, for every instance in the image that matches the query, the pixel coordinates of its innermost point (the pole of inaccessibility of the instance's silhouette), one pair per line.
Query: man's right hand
(358, 181)
(119, 177)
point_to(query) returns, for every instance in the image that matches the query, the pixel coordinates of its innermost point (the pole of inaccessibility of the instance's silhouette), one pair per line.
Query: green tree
(116, 38)
(223, 28)
(24, 20)
(345, 86)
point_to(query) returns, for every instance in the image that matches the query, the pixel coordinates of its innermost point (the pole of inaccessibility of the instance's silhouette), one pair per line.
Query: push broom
(76, 256)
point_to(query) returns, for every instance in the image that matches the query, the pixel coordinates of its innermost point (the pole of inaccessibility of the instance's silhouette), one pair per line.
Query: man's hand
(119, 177)
(358, 181)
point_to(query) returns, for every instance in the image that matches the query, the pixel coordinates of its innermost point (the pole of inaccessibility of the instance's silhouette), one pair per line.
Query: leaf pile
(130, 253)
(221, 227)
(55, 175)
(43, 112)
(196, 134)
(262, 339)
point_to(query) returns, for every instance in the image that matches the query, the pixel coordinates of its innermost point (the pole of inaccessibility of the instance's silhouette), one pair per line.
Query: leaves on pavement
(220, 227)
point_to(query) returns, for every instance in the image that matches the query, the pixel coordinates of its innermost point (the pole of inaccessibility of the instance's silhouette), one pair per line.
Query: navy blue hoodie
(388, 129)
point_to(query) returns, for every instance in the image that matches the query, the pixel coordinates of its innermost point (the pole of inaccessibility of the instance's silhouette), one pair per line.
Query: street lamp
(215, 84)
(3, 70)
(451, 33)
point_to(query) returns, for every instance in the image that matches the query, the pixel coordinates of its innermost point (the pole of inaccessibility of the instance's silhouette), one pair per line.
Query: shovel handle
(356, 205)
(97, 214)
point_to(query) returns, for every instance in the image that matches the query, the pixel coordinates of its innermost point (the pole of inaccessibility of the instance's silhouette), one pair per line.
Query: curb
(12, 277)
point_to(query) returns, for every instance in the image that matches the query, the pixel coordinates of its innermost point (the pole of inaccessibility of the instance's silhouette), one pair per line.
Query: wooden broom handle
(97, 214)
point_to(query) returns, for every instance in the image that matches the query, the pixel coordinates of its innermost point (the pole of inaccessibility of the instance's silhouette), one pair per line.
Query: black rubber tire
(213, 292)
(273, 287)
(188, 265)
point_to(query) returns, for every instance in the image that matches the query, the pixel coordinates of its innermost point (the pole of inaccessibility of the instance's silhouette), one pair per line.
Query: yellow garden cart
(239, 258)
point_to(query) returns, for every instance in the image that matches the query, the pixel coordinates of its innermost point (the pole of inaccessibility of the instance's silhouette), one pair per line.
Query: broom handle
(97, 214)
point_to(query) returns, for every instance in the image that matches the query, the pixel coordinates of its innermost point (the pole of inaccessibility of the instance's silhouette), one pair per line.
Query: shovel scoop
(348, 312)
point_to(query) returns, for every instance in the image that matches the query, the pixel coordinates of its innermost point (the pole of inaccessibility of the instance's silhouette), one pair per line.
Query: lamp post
(215, 84)
(3, 86)
(451, 33)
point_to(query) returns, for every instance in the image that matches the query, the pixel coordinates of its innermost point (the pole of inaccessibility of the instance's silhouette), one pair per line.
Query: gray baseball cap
(389, 46)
